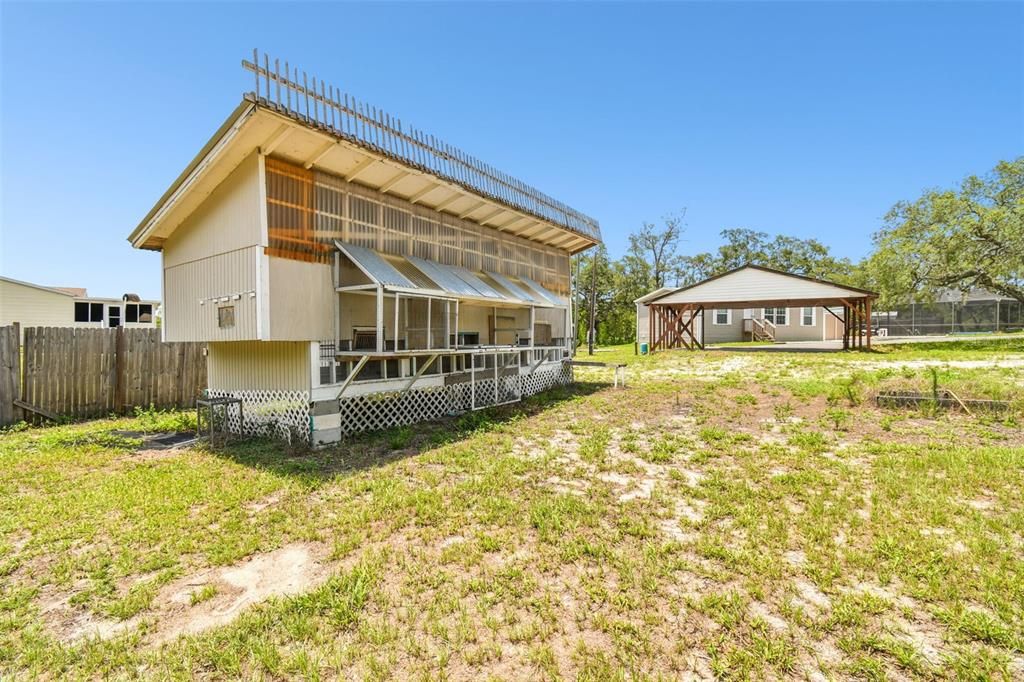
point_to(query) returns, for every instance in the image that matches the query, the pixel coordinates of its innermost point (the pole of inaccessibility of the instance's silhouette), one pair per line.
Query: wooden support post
(846, 327)
(395, 332)
(120, 372)
(379, 331)
(650, 328)
(867, 303)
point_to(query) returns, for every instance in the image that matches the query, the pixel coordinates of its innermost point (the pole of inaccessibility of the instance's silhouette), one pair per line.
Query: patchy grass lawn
(728, 514)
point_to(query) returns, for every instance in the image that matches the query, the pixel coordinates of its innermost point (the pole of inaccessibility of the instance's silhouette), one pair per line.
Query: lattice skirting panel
(277, 414)
(384, 410)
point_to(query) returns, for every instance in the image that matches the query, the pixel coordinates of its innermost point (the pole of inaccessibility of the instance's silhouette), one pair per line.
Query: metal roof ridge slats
(430, 154)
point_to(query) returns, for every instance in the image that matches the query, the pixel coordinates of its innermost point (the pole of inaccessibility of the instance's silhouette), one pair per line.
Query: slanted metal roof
(548, 295)
(430, 278)
(522, 292)
(412, 273)
(479, 284)
(375, 266)
(460, 281)
(446, 280)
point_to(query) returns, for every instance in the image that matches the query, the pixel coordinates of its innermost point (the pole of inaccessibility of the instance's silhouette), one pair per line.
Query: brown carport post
(867, 303)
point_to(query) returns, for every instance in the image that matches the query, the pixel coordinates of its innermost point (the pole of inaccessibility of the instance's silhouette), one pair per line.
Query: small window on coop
(226, 316)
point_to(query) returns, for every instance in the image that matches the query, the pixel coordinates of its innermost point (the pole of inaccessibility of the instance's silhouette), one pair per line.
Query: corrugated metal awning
(517, 290)
(548, 295)
(414, 275)
(375, 266)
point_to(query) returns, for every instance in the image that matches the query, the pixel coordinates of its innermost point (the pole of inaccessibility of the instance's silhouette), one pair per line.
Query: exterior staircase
(759, 330)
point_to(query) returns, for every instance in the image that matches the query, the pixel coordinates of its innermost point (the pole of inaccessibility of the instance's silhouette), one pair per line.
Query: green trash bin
(643, 349)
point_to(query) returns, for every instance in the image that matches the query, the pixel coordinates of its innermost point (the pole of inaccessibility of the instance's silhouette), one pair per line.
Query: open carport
(676, 318)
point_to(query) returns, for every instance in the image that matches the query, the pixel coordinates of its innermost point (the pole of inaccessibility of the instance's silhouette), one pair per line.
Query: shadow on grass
(372, 449)
(787, 348)
(1010, 344)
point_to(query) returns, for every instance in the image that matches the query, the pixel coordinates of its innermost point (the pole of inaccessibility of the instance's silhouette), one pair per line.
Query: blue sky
(808, 119)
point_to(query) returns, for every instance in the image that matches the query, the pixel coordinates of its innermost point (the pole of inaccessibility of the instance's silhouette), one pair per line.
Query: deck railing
(327, 107)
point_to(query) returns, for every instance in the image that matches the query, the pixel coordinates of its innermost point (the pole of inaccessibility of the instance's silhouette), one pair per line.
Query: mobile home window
(138, 312)
(776, 315)
(723, 316)
(807, 317)
(88, 312)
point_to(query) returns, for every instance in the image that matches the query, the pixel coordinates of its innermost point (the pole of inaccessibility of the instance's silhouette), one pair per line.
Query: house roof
(78, 292)
(55, 290)
(340, 135)
(72, 292)
(752, 285)
(654, 294)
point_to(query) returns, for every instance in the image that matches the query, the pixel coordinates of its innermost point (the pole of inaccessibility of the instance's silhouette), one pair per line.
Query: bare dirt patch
(292, 569)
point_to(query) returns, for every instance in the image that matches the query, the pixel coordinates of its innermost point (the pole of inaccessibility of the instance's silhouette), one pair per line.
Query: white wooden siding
(32, 307)
(259, 365)
(208, 280)
(301, 301)
(213, 255)
(228, 220)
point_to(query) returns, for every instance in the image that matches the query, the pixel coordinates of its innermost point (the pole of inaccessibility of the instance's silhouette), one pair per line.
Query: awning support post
(395, 333)
(419, 372)
(380, 319)
(352, 375)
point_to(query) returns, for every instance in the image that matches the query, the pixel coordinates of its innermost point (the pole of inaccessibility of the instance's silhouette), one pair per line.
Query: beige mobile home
(754, 303)
(349, 272)
(34, 305)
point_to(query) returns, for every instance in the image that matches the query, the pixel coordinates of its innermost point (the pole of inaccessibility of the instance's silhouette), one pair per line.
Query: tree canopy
(962, 238)
(743, 246)
(959, 239)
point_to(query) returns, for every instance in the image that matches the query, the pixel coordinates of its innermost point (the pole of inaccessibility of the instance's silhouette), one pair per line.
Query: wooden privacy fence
(68, 372)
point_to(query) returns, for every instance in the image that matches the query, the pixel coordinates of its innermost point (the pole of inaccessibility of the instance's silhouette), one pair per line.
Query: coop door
(503, 330)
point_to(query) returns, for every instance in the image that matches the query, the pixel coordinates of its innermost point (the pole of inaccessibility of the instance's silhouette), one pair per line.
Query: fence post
(120, 370)
(10, 379)
(18, 414)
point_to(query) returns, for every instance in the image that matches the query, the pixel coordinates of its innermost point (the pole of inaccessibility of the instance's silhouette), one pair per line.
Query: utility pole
(576, 305)
(593, 301)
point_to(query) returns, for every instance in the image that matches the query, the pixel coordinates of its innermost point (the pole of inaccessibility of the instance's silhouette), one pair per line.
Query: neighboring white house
(756, 303)
(34, 305)
(349, 273)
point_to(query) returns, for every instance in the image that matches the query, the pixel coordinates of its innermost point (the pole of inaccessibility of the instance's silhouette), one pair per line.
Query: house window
(777, 316)
(723, 316)
(226, 316)
(88, 312)
(114, 316)
(807, 317)
(138, 312)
